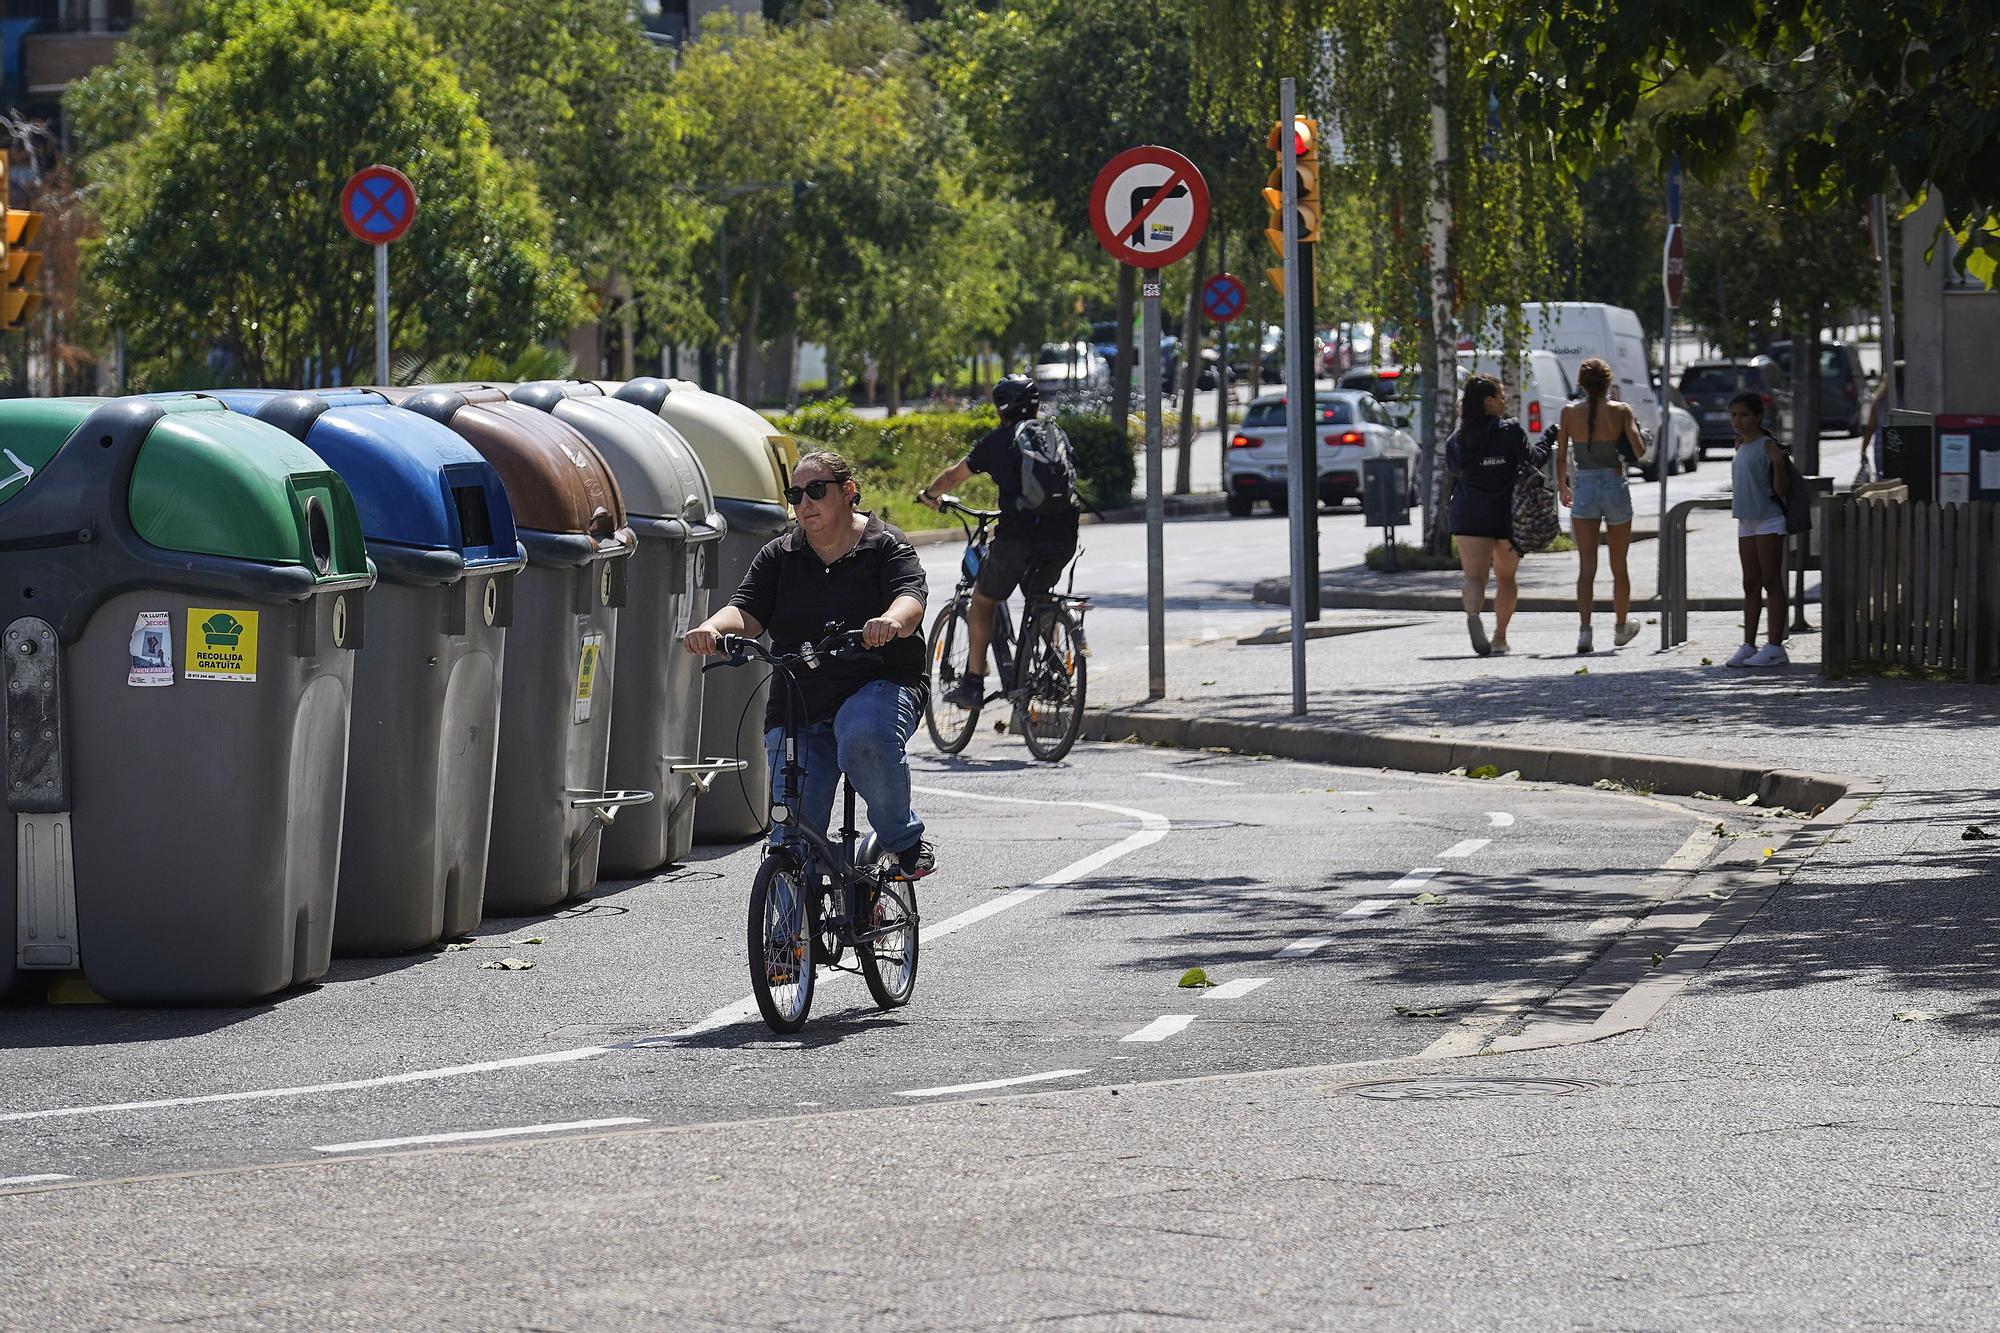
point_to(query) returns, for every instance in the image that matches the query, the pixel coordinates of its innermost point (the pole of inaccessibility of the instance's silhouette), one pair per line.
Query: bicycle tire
(893, 985)
(1051, 710)
(781, 963)
(950, 726)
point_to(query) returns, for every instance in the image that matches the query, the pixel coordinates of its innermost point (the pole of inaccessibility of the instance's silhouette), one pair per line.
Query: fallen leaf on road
(1719, 894)
(1917, 1015)
(532, 939)
(1581, 671)
(1413, 1011)
(1768, 851)
(1428, 899)
(458, 948)
(1708, 661)
(1483, 771)
(1721, 832)
(1658, 958)
(1751, 799)
(1705, 796)
(1195, 978)
(1974, 833)
(506, 965)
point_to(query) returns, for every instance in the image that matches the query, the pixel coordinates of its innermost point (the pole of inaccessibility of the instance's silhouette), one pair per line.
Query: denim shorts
(1600, 493)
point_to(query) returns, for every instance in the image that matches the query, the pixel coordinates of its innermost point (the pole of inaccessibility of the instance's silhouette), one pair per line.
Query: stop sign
(1673, 270)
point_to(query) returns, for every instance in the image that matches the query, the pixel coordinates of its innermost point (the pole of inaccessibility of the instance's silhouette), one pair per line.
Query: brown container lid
(556, 481)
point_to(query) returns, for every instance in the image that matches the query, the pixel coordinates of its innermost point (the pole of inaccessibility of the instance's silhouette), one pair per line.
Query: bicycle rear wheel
(950, 726)
(886, 943)
(1053, 673)
(783, 912)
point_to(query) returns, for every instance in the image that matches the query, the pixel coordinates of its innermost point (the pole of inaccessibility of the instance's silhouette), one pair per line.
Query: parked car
(1349, 428)
(1578, 330)
(1069, 368)
(1104, 342)
(1707, 386)
(1843, 387)
(1397, 389)
(1683, 441)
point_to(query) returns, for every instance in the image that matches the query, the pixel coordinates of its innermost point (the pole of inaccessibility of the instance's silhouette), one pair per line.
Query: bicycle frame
(1004, 639)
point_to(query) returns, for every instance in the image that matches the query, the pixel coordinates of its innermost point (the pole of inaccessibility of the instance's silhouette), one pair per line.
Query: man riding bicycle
(841, 569)
(1033, 468)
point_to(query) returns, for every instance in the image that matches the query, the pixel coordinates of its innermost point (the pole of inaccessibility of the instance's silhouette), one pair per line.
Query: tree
(221, 221)
(1914, 87)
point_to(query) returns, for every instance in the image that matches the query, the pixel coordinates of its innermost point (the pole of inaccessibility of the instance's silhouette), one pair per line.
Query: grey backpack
(1048, 468)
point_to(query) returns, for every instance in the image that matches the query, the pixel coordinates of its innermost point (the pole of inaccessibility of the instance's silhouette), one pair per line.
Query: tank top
(1597, 453)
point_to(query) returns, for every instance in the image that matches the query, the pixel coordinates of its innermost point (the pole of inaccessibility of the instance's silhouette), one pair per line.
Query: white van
(1578, 330)
(1544, 385)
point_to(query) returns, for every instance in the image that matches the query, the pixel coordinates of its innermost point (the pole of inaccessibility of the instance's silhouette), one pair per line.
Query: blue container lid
(421, 490)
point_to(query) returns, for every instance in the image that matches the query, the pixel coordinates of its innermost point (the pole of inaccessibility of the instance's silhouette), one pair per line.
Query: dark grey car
(1843, 388)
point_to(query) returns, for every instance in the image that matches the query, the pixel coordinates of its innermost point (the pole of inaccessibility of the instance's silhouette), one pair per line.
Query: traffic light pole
(1298, 399)
(1156, 498)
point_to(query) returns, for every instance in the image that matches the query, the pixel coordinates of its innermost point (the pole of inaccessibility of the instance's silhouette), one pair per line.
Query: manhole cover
(1461, 1089)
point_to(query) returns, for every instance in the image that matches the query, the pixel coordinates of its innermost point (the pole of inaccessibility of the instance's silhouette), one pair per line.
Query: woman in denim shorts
(1591, 445)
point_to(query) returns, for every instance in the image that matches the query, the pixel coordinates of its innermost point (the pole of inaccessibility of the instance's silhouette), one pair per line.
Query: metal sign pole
(1664, 447)
(381, 314)
(1222, 355)
(1298, 399)
(1156, 499)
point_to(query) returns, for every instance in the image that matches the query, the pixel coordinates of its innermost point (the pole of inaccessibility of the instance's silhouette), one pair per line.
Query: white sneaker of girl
(1770, 655)
(1742, 655)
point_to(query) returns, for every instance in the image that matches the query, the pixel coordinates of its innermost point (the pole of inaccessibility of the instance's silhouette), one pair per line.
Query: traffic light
(1305, 222)
(19, 265)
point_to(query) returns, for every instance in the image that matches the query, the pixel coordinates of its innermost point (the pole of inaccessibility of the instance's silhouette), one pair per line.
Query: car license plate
(1716, 418)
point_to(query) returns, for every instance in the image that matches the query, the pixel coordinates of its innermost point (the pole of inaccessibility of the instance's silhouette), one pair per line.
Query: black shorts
(1031, 566)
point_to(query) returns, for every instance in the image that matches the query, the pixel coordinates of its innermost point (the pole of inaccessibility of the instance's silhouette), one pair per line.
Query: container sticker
(586, 674)
(152, 650)
(691, 581)
(221, 645)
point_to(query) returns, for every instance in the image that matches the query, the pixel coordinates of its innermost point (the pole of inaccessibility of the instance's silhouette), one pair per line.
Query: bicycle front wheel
(782, 926)
(1053, 671)
(950, 726)
(885, 942)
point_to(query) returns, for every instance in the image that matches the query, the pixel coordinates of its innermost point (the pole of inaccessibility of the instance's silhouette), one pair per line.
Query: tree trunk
(746, 340)
(1441, 346)
(1121, 365)
(1190, 359)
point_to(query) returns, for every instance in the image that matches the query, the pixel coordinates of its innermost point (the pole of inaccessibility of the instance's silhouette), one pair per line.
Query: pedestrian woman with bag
(1760, 480)
(1485, 456)
(1594, 440)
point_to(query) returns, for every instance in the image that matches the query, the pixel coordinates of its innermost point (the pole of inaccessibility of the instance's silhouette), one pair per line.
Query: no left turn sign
(1149, 207)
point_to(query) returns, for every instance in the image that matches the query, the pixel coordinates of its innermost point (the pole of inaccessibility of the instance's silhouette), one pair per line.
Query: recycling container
(182, 595)
(655, 744)
(422, 748)
(749, 464)
(550, 802)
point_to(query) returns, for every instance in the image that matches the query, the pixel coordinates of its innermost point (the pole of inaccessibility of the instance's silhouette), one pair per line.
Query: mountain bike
(1041, 672)
(813, 900)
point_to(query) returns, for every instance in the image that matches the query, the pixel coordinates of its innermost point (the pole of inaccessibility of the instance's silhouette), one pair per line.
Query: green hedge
(897, 457)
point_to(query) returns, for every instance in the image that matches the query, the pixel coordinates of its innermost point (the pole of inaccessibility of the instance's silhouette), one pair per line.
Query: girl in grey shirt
(1759, 482)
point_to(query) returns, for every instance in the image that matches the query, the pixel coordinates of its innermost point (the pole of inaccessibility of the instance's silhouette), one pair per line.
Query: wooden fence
(1910, 585)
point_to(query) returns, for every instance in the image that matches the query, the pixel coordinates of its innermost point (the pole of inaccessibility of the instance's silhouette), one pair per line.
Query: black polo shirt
(999, 457)
(793, 594)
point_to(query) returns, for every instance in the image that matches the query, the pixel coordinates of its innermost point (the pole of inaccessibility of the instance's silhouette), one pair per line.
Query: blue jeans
(865, 739)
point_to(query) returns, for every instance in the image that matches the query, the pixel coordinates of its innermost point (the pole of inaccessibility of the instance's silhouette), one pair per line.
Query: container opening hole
(319, 534)
(602, 525)
(475, 525)
(104, 442)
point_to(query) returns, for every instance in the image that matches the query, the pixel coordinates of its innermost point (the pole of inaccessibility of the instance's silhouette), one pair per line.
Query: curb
(1277, 593)
(1792, 788)
(1178, 506)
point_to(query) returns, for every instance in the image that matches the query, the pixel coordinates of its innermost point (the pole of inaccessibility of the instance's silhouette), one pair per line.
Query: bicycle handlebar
(737, 649)
(951, 504)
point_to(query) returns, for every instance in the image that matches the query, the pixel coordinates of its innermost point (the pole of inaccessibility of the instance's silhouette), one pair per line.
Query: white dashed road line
(993, 1083)
(1369, 907)
(1499, 819)
(1311, 944)
(1234, 990)
(1183, 777)
(1160, 1028)
(1416, 879)
(33, 1180)
(472, 1135)
(1466, 848)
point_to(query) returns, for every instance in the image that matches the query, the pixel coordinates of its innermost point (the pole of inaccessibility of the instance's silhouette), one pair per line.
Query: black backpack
(1048, 468)
(1797, 501)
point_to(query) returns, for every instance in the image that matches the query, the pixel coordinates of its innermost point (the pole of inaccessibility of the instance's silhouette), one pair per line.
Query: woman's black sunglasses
(813, 489)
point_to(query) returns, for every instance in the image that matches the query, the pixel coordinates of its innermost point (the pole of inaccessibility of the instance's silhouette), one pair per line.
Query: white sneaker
(1625, 633)
(1477, 629)
(1499, 645)
(1742, 655)
(1770, 655)
(1583, 640)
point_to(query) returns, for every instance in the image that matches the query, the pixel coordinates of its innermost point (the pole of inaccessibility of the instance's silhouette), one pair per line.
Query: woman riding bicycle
(839, 569)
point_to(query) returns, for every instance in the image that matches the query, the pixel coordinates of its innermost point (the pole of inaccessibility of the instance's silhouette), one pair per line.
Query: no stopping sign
(1149, 207)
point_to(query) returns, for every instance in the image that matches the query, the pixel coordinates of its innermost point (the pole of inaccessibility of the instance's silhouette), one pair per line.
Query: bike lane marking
(1153, 828)
(1499, 819)
(49, 1179)
(1234, 990)
(1166, 1025)
(1466, 848)
(1183, 777)
(469, 1135)
(992, 1083)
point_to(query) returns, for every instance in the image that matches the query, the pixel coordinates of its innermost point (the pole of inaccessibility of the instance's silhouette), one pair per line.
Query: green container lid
(207, 481)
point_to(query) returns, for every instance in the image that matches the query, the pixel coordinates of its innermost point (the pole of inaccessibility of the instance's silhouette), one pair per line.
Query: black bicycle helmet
(1017, 396)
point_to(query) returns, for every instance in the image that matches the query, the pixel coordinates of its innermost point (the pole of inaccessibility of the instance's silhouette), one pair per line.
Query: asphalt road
(1068, 904)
